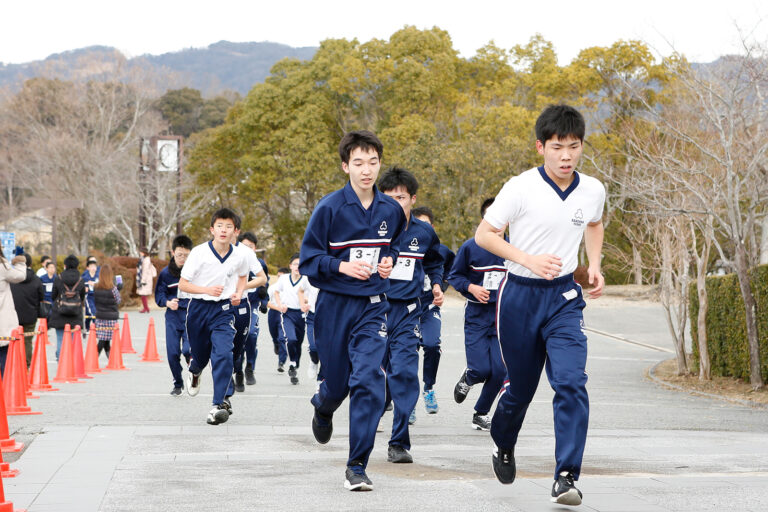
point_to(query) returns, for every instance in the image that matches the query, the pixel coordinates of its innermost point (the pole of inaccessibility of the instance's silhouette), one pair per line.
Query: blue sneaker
(430, 401)
(412, 418)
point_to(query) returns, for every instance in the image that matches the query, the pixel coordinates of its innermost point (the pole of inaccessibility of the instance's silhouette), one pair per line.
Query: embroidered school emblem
(383, 228)
(414, 244)
(417, 331)
(578, 218)
(383, 330)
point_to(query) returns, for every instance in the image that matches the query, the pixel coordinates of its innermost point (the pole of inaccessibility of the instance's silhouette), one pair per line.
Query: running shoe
(239, 382)
(412, 417)
(430, 401)
(293, 374)
(356, 479)
(564, 491)
(218, 415)
(193, 384)
(398, 455)
(504, 465)
(176, 391)
(462, 388)
(322, 428)
(481, 422)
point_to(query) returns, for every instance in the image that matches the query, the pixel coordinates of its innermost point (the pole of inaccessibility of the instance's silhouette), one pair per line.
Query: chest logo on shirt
(383, 330)
(383, 228)
(578, 218)
(414, 244)
(417, 331)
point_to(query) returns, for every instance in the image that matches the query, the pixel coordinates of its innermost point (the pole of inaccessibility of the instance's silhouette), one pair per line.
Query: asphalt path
(120, 442)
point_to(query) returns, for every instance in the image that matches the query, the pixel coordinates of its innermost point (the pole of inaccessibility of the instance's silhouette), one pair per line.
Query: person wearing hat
(90, 277)
(145, 273)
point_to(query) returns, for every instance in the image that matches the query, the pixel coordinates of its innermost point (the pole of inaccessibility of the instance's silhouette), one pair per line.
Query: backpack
(69, 302)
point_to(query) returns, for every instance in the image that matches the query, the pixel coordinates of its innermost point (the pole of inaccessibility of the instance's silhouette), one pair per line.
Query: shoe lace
(429, 398)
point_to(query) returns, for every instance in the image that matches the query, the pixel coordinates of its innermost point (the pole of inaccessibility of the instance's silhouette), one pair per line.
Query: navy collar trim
(218, 256)
(291, 280)
(562, 193)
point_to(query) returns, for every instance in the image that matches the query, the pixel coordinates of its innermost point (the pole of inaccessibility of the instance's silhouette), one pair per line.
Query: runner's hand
(356, 269)
(173, 304)
(437, 294)
(385, 267)
(215, 291)
(234, 299)
(547, 266)
(596, 279)
(481, 294)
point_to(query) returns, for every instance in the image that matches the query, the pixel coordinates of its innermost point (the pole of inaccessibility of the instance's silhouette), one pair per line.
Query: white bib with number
(368, 255)
(403, 269)
(492, 280)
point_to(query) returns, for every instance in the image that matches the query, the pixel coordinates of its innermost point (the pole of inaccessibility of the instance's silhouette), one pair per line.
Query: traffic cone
(6, 506)
(77, 345)
(24, 371)
(115, 353)
(125, 344)
(38, 372)
(43, 327)
(15, 391)
(5, 469)
(150, 354)
(92, 353)
(65, 372)
(7, 443)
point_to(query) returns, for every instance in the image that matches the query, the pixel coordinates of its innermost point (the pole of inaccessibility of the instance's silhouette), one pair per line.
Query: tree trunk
(637, 264)
(750, 310)
(764, 241)
(667, 300)
(701, 321)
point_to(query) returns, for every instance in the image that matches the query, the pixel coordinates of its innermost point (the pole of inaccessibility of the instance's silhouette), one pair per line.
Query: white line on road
(631, 342)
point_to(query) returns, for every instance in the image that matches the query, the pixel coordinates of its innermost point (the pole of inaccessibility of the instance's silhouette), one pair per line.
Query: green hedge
(726, 324)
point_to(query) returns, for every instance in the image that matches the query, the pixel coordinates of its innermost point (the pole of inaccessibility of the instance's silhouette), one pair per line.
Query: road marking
(631, 342)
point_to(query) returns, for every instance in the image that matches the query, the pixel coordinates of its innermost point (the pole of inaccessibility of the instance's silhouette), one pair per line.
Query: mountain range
(222, 66)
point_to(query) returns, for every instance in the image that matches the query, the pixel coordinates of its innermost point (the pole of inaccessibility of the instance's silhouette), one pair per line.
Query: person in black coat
(27, 296)
(63, 312)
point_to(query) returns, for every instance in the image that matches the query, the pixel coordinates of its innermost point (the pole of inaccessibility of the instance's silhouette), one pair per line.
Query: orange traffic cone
(42, 326)
(6, 506)
(15, 390)
(38, 372)
(5, 469)
(92, 353)
(24, 372)
(150, 347)
(7, 443)
(77, 353)
(115, 353)
(125, 344)
(66, 369)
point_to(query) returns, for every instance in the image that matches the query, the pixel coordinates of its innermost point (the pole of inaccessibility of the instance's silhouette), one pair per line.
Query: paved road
(119, 442)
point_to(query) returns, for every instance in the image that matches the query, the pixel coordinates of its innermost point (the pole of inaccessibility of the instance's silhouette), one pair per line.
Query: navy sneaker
(564, 491)
(239, 382)
(356, 479)
(322, 428)
(462, 388)
(176, 391)
(398, 454)
(504, 465)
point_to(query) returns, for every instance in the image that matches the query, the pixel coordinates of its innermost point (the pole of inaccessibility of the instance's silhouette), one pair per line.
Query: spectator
(90, 278)
(43, 262)
(68, 296)
(145, 273)
(107, 298)
(15, 272)
(47, 279)
(27, 296)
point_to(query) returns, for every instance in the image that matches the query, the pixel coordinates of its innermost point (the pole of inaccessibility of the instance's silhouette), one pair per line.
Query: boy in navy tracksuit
(348, 250)
(549, 210)
(167, 296)
(476, 274)
(431, 322)
(418, 256)
(215, 274)
(258, 301)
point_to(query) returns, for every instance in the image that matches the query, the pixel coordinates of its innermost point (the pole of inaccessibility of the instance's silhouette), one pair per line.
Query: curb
(657, 380)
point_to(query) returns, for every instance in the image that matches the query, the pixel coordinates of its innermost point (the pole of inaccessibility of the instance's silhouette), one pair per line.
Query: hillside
(219, 67)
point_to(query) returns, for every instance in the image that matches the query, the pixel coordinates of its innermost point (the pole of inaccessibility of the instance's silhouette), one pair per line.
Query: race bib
(492, 280)
(403, 269)
(369, 255)
(48, 287)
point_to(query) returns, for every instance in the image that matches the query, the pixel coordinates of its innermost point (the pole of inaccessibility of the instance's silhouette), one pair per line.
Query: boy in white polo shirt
(539, 305)
(215, 275)
(290, 299)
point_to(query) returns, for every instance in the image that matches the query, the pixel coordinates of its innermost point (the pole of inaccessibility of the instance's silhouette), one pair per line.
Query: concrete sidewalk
(119, 442)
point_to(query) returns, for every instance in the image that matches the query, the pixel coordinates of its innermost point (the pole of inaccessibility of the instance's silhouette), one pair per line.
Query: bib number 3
(492, 280)
(368, 255)
(403, 269)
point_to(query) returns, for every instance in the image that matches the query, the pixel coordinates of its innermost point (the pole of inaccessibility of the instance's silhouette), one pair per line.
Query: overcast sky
(33, 30)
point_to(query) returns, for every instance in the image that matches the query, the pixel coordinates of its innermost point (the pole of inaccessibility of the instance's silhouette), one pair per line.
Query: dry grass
(727, 387)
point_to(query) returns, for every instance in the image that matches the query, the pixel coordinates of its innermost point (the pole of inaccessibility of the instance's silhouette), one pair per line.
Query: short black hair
(283, 270)
(71, 261)
(295, 256)
(561, 121)
(398, 177)
(28, 259)
(182, 241)
(248, 236)
(43, 258)
(424, 211)
(488, 202)
(362, 139)
(50, 263)
(225, 214)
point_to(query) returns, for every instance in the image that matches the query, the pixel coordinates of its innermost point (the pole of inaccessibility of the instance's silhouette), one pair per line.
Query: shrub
(727, 326)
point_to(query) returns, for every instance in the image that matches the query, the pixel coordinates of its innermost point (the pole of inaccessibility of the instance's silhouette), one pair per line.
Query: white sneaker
(312, 370)
(193, 383)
